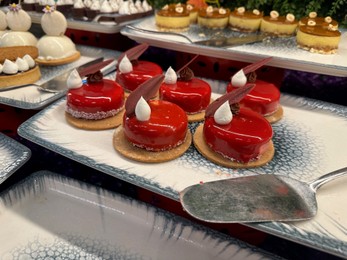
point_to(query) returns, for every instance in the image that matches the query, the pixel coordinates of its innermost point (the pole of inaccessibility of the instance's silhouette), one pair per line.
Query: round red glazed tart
(133, 72)
(153, 130)
(193, 95)
(232, 136)
(264, 98)
(95, 104)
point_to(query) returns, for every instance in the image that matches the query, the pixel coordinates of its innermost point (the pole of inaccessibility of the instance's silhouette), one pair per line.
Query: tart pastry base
(101, 124)
(21, 78)
(273, 118)
(56, 62)
(216, 158)
(128, 150)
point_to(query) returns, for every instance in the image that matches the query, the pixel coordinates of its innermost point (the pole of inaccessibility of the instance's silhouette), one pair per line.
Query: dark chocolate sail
(134, 53)
(94, 68)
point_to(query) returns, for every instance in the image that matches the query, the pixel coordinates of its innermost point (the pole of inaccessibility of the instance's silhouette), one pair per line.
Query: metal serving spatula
(255, 198)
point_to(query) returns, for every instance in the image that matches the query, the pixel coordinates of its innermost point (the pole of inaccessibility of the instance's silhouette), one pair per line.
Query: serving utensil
(215, 41)
(256, 198)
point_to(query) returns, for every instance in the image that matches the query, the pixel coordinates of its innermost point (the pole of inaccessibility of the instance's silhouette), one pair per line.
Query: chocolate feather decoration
(134, 53)
(187, 64)
(94, 68)
(147, 90)
(233, 97)
(256, 65)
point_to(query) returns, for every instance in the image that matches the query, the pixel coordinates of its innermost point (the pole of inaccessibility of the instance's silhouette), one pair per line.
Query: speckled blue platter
(309, 141)
(49, 216)
(12, 156)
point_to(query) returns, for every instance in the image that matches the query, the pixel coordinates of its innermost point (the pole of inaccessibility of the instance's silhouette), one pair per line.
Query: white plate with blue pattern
(284, 50)
(31, 97)
(13, 155)
(49, 216)
(309, 141)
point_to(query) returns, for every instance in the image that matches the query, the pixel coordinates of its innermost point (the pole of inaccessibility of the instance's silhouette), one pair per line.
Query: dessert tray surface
(284, 51)
(30, 97)
(44, 217)
(309, 141)
(12, 156)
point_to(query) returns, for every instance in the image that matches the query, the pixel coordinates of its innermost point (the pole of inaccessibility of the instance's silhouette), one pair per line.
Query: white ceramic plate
(310, 141)
(31, 98)
(283, 50)
(12, 156)
(48, 216)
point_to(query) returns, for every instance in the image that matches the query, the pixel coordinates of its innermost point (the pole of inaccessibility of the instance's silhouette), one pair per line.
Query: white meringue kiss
(142, 110)
(74, 80)
(239, 79)
(29, 60)
(9, 67)
(22, 64)
(170, 76)
(125, 65)
(223, 114)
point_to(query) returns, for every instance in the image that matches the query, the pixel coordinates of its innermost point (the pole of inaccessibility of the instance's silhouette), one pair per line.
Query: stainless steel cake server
(257, 198)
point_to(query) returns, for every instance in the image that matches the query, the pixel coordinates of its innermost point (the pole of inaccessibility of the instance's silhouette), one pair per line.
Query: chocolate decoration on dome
(186, 74)
(252, 77)
(147, 90)
(234, 97)
(256, 65)
(187, 64)
(94, 68)
(134, 53)
(95, 77)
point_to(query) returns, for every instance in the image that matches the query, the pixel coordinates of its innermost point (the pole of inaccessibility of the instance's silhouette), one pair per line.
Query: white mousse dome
(18, 20)
(55, 47)
(54, 23)
(18, 39)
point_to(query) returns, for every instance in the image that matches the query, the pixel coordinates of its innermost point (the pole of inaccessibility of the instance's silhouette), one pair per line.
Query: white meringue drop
(223, 114)
(9, 67)
(74, 80)
(22, 64)
(170, 76)
(29, 60)
(125, 65)
(239, 79)
(142, 110)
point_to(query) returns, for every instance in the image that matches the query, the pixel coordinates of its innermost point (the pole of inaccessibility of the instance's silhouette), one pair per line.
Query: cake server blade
(221, 41)
(257, 198)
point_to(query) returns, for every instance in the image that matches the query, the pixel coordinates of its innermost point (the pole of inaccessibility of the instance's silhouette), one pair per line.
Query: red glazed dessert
(193, 95)
(96, 103)
(232, 136)
(264, 98)
(132, 72)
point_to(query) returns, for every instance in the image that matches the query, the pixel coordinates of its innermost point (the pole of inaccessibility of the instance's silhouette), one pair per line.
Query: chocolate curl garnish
(186, 74)
(95, 77)
(147, 90)
(252, 77)
(233, 97)
(256, 65)
(134, 53)
(94, 68)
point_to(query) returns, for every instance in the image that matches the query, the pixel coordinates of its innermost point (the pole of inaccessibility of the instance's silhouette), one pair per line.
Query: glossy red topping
(166, 128)
(95, 100)
(142, 70)
(192, 96)
(244, 139)
(263, 98)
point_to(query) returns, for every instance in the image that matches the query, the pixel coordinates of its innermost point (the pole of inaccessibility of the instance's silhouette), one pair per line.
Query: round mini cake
(320, 21)
(94, 105)
(173, 17)
(132, 72)
(19, 23)
(264, 98)
(245, 21)
(279, 25)
(323, 39)
(54, 47)
(213, 17)
(153, 130)
(232, 136)
(17, 66)
(193, 95)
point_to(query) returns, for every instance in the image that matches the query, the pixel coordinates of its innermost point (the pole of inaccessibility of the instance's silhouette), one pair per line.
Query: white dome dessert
(55, 47)
(3, 23)
(53, 23)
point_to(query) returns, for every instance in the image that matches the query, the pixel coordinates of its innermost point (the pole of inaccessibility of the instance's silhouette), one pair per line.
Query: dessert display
(55, 48)
(245, 21)
(234, 136)
(277, 25)
(96, 104)
(264, 98)
(17, 66)
(153, 130)
(3, 24)
(193, 95)
(320, 21)
(79, 10)
(319, 37)
(132, 72)
(193, 13)
(213, 17)
(173, 17)
(19, 22)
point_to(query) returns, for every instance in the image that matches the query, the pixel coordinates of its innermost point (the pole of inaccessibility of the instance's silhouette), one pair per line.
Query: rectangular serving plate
(284, 50)
(48, 216)
(309, 141)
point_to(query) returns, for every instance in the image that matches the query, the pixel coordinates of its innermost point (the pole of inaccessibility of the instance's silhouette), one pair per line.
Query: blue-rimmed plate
(31, 97)
(12, 156)
(49, 216)
(309, 141)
